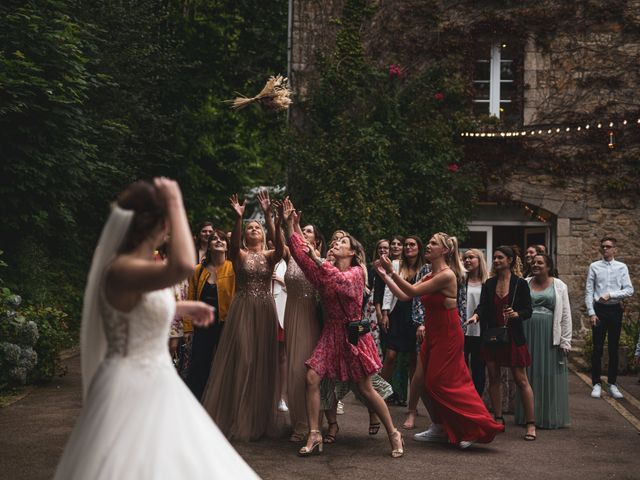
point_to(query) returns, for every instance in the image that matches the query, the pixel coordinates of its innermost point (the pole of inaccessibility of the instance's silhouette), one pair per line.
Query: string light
(553, 129)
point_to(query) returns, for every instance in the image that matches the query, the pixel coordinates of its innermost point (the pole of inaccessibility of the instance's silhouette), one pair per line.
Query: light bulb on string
(611, 145)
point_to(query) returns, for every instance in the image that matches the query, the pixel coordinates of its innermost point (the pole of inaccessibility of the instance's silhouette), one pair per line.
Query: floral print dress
(341, 293)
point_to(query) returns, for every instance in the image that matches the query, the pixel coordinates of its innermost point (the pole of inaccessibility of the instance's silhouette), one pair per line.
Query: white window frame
(495, 80)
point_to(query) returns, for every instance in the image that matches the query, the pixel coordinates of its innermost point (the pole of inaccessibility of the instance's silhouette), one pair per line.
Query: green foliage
(95, 94)
(31, 339)
(377, 153)
(53, 337)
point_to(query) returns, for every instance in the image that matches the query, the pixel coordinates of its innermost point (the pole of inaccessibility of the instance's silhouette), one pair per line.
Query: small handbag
(355, 329)
(495, 336)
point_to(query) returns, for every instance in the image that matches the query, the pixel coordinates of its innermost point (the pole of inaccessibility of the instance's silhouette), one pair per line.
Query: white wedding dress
(139, 420)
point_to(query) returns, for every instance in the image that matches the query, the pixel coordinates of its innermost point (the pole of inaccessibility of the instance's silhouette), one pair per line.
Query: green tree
(377, 154)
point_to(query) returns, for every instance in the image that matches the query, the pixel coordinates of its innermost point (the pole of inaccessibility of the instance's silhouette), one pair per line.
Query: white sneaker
(465, 444)
(282, 406)
(597, 391)
(614, 392)
(340, 408)
(435, 434)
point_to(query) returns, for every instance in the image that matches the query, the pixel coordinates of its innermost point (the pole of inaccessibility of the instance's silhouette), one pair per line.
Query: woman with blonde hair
(458, 414)
(242, 394)
(477, 273)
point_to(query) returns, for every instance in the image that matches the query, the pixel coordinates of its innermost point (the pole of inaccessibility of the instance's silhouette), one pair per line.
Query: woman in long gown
(134, 400)
(548, 334)
(242, 393)
(457, 412)
(341, 288)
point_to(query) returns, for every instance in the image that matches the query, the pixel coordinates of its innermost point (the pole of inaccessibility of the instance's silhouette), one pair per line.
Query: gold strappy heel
(397, 452)
(307, 451)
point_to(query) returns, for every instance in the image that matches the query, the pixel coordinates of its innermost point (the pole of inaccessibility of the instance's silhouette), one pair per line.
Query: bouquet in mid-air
(274, 97)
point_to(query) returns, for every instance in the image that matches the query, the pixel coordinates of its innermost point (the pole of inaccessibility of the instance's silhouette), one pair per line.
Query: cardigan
(226, 282)
(519, 298)
(562, 326)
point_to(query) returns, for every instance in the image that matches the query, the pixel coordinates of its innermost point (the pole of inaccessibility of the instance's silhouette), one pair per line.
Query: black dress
(205, 342)
(401, 335)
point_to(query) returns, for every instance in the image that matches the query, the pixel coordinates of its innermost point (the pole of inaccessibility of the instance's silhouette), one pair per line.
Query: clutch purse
(355, 329)
(496, 336)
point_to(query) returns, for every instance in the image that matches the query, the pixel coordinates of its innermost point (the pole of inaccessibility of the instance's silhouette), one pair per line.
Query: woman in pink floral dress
(341, 288)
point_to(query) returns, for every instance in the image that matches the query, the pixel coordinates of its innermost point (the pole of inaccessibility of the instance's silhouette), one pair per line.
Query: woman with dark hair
(398, 328)
(548, 335)
(505, 303)
(203, 232)
(242, 394)
(458, 414)
(396, 247)
(341, 288)
(212, 282)
(134, 401)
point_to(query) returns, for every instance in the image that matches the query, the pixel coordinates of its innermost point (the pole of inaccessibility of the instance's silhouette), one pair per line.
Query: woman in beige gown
(242, 395)
(302, 331)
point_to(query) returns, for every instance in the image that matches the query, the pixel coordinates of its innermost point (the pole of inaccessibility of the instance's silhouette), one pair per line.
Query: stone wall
(574, 70)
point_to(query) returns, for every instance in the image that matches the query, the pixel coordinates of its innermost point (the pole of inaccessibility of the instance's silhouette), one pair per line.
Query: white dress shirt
(607, 277)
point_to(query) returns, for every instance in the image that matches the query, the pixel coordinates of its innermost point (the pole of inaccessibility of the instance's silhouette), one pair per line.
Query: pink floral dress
(341, 292)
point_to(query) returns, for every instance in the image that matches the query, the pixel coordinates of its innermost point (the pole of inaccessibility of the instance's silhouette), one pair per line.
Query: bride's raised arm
(135, 271)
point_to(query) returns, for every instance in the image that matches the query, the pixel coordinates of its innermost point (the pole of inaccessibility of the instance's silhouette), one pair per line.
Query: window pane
(480, 108)
(507, 91)
(481, 90)
(482, 70)
(508, 113)
(506, 70)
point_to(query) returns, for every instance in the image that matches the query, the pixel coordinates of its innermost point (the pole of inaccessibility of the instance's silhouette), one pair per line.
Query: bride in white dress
(139, 420)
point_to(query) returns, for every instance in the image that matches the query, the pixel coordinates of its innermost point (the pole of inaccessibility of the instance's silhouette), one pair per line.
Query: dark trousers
(609, 323)
(204, 344)
(472, 347)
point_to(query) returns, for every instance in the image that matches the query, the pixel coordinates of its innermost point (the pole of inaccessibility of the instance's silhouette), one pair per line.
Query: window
(493, 82)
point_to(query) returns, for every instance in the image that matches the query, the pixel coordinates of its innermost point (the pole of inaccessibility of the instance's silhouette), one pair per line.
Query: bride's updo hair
(149, 212)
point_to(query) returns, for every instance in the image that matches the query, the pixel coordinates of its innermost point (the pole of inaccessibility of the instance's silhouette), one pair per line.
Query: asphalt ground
(601, 442)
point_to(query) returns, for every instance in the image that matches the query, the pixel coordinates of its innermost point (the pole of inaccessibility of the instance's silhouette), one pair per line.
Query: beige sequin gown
(241, 395)
(302, 331)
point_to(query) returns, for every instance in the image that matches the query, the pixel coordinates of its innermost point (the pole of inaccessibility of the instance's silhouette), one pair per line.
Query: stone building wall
(581, 70)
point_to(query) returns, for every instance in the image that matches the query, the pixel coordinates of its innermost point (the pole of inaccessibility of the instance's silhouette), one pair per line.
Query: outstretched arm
(236, 234)
(265, 206)
(403, 289)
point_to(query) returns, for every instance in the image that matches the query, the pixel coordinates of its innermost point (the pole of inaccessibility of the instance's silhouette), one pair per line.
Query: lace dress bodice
(142, 333)
(253, 276)
(297, 284)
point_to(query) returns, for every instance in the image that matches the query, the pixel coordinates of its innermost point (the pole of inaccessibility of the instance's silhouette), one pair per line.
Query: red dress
(510, 355)
(447, 381)
(341, 292)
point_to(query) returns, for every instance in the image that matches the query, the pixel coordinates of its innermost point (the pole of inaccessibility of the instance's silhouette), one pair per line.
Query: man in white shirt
(608, 283)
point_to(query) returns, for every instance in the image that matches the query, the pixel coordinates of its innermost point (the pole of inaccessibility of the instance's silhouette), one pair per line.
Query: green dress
(548, 371)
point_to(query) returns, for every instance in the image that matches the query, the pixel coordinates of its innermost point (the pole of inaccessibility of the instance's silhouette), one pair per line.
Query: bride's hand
(168, 189)
(201, 314)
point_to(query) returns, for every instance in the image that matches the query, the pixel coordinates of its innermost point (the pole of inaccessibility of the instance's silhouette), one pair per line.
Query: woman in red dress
(341, 287)
(457, 412)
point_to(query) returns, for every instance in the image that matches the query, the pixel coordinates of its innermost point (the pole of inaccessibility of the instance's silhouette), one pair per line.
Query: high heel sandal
(331, 438)
(307, 451)
(500, 420)
(374, 427)
(530, 437)
(397, 452)
(410, 425)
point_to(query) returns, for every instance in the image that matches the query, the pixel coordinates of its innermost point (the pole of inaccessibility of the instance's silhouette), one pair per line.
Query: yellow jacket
(226, 283)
